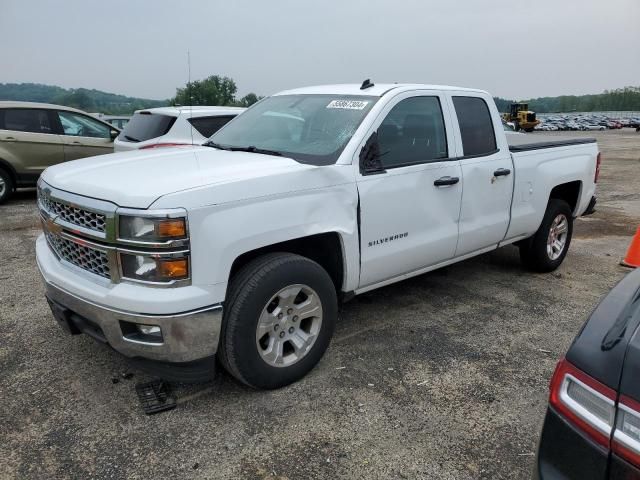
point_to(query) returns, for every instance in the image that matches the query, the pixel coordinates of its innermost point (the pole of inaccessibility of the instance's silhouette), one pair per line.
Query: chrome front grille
(72, 214)
(82, 232)
(87, 258)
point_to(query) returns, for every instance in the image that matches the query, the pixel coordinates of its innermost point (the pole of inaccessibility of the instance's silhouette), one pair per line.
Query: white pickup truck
(241, 249)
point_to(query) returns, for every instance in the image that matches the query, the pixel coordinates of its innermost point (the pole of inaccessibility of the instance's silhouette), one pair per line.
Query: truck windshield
(311, 129)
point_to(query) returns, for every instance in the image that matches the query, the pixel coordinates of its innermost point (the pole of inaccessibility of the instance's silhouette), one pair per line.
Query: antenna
(366, 84)
(189, 93)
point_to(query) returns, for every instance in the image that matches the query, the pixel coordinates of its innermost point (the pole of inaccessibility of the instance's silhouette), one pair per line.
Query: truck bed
(524, 142)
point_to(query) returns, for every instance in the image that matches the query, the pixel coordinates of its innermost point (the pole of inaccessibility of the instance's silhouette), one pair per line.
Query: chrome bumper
(186, 337)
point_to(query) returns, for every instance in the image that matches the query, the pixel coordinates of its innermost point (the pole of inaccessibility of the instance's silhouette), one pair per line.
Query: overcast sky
(513, 48)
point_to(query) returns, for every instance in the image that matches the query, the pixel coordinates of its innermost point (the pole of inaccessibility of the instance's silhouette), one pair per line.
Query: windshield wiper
(253, 149)
(215, 145)
(250, 149)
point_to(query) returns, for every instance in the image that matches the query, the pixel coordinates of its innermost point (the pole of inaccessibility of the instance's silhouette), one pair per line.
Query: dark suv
(592, 426)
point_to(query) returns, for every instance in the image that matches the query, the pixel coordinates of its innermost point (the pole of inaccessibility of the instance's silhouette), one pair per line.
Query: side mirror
(370, 163)
(114, 134)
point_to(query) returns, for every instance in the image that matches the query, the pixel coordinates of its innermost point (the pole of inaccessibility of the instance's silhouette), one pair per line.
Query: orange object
(633, 254)
(176, 269)
(172, 228)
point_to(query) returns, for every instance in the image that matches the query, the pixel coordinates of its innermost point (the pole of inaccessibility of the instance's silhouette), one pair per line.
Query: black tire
(250, 290)
(533, 251)
(6, 186)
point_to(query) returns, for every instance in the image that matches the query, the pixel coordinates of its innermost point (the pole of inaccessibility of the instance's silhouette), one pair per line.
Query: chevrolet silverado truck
(239, 250)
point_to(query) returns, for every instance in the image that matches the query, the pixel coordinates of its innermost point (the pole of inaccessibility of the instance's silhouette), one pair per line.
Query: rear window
(207, 126)
(476, 126)
(145, 126)
(25, 120)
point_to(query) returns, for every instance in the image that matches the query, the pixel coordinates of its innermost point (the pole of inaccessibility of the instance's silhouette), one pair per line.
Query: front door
(488, 177)
(84, 136)
(409, 210)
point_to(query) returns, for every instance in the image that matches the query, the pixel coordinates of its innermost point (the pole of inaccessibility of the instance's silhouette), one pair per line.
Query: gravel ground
(443, 376)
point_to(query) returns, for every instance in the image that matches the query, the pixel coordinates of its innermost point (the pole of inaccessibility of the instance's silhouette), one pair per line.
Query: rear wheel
(6, 186)
(546, 249)
(278, 321)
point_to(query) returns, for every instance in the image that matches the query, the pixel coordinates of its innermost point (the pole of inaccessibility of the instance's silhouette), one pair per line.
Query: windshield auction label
(348, 104)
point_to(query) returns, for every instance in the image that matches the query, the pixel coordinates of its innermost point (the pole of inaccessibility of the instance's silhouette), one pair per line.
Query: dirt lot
(443, 376)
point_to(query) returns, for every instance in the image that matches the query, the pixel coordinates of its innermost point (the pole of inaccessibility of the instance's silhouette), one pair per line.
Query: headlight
(154, 268)
(152, 229)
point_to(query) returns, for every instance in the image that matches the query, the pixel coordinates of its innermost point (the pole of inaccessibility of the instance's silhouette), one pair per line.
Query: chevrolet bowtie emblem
(51, 226)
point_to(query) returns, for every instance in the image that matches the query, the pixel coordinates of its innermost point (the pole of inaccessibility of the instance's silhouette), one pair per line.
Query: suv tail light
(598, 160)
(626, 438)
(584, 401)
(591, 407)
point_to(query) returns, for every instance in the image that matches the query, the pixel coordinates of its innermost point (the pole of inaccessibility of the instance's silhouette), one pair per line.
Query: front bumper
(186, 336)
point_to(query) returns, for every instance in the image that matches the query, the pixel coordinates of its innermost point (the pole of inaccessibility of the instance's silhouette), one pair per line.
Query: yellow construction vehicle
(521, 117)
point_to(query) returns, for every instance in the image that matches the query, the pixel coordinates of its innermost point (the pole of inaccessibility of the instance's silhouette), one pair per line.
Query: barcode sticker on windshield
(348, 104)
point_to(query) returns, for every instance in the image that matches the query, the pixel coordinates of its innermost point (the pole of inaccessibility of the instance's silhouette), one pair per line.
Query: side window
(81, 126)
(413, 132)
(26, 120)
(476, 126)
(207, 126)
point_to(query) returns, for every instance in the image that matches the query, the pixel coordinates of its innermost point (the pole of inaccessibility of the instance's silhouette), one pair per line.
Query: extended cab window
(80, 126)
(207, 126)
(413, 132)
(476, 126)
(25, 120)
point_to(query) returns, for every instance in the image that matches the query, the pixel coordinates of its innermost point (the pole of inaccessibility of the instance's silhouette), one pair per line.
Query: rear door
(29, 140)
(83, 136)
(410, 209)
(487, 171)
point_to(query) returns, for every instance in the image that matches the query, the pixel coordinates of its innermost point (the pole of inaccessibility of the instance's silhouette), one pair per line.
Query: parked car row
(585, 122)
(34, 136)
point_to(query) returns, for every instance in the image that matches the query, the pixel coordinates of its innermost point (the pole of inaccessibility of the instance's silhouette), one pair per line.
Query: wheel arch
(327, 249)
(7, 167)
(569, 192)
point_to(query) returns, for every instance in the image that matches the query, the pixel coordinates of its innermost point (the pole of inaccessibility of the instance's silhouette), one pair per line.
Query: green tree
(248, 100)
(213, 90)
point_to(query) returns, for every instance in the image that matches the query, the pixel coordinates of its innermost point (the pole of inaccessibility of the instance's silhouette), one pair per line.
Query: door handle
(502, 172)
(444, 181)
(76, 143)
(10, 139)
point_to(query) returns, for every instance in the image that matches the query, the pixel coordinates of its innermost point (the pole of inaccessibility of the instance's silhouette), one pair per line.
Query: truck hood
(137, 179)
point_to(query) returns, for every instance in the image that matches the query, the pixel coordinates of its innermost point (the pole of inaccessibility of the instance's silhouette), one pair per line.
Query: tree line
(221, 90)
(81, 98)
(621, 99)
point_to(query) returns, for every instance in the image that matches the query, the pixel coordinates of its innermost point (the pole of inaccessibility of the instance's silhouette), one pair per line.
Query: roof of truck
(377, 90)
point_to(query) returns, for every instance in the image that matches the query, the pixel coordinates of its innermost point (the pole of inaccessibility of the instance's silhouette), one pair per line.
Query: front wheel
(278, 321)
(546, 249)
(6, 186)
